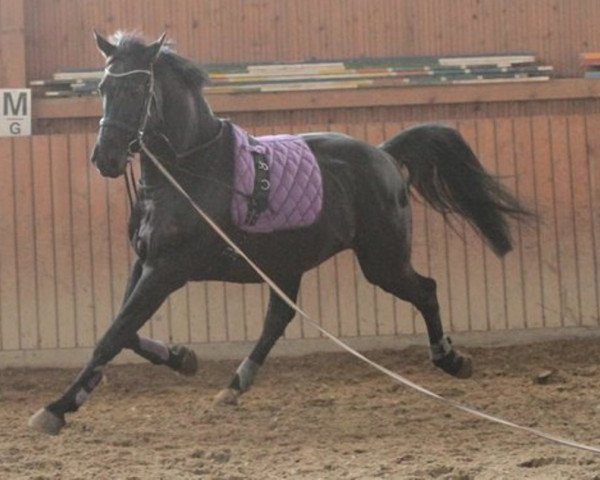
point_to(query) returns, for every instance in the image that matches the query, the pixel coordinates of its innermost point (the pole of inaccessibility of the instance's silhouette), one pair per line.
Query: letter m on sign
(15, 104)
(15, 112)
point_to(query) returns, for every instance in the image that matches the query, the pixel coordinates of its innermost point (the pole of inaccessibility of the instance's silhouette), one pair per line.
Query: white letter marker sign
(15, 112)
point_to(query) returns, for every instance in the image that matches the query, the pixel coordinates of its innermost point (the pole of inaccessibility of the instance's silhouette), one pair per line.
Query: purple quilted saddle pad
(294, 187)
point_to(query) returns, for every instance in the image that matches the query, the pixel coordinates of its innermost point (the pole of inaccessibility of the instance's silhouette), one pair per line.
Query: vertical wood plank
(328, 299)
(63, 240)
(198, 314)
(234, 296)
(100, 247)
(9, 293)
(512, 275)
(565, 225)
(474, 253)
(582, 218)
(82, 255)
(551, 298)
(494, 267)
(25, 244)
(217, 313)
(592, 125)
(529, 234)
(44, 242)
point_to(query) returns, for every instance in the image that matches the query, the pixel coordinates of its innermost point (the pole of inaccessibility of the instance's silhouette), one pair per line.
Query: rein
(305, 317)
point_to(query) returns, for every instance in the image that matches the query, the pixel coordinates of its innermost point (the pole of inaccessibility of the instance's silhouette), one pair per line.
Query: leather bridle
(140, 133)
(139, 129)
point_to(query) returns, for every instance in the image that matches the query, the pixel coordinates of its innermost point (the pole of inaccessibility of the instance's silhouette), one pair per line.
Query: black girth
(259, 200)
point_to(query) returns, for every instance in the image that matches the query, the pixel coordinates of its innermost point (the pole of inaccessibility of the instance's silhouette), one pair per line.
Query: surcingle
(277, 183)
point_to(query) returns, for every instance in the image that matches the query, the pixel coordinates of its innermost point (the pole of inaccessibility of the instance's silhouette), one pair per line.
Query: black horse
(154, 96)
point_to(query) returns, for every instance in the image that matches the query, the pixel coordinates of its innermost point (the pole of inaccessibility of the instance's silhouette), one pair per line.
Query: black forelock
(133, 44)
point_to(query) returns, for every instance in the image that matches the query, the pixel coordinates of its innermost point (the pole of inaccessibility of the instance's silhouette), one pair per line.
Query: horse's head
(127, 93)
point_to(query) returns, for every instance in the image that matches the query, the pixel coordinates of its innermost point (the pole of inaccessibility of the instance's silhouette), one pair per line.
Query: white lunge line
(305, 317)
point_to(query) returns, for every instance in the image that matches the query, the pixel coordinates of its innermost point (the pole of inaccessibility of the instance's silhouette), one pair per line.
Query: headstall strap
(259, 200)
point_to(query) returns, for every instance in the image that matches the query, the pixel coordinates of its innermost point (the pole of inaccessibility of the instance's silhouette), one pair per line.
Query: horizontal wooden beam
(76, 356)
(561, 89)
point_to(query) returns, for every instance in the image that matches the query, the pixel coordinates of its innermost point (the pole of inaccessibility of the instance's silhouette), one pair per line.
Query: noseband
(146, 111)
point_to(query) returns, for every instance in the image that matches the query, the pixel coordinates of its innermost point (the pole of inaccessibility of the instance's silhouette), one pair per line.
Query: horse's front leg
(278, 317)
(177, 357)
(154, 285)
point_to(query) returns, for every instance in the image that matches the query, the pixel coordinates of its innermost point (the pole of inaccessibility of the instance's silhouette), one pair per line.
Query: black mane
(133, 44)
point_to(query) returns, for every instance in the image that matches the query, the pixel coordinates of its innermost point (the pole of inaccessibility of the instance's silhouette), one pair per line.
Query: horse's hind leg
(421, 292)
(388, 266)
(177, 357)
(278, 317)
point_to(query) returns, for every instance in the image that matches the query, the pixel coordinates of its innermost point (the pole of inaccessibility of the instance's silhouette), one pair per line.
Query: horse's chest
(157, 229)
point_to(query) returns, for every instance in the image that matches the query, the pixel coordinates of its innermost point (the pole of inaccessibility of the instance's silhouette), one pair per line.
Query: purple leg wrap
(155, 347)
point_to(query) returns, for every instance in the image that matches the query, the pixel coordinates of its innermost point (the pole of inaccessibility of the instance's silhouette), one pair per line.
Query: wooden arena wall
(217, 31)
(64, 256)
(63, 252)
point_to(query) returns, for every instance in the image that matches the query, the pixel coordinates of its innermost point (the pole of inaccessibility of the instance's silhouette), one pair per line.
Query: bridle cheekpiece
(134, 145)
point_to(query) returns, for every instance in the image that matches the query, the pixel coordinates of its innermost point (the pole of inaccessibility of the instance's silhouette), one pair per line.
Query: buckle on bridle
(134, 146)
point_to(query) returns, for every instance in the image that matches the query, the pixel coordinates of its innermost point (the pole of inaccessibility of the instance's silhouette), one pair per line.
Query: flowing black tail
(447, 174)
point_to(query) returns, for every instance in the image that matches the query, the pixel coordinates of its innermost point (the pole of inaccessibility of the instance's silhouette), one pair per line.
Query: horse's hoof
(188, 365)
(46, 422)
(456, 364)
(227, 396)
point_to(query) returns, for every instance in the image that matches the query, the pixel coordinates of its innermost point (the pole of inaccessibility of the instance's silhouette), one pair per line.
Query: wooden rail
(562, 89)
(65, 256)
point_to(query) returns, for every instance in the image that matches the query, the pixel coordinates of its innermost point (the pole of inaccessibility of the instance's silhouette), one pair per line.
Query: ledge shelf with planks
(353, 73)
(224, 103)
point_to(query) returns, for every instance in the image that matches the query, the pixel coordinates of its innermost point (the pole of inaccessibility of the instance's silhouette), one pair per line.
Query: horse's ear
(105, 47)
(154, 48)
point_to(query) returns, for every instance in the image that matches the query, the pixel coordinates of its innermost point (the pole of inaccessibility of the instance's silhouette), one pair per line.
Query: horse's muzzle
(109, 164)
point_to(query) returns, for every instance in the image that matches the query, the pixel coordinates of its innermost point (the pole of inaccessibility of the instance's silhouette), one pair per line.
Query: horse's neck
(187, 123)
(209, 165)
(187, 118)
